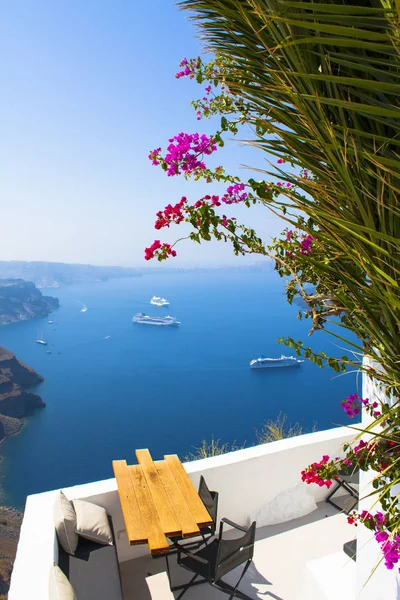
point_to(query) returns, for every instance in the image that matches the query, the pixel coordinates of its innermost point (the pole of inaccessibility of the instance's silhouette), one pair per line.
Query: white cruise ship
(157, 301)
(283, 361)
(146, 320)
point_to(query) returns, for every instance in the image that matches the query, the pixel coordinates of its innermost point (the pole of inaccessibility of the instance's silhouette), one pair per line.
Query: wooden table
(158, 500)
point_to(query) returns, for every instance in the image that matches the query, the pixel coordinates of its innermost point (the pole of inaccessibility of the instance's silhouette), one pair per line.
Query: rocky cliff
(15, 402)
(10, 524)
(21, 300)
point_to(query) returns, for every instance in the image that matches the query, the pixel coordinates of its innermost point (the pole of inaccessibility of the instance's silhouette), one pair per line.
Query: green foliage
(212, 448)
(279, 429)
(319, 83)
(271, 431)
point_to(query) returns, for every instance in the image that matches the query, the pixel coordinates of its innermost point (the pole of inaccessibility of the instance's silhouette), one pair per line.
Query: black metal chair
(210, 501)
(216, 559)
(345, 481)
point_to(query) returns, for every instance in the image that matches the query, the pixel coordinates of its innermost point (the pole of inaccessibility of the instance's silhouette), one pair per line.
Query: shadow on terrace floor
(290, 563)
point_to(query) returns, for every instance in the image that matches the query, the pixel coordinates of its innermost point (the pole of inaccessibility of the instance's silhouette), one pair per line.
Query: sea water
(112, 386)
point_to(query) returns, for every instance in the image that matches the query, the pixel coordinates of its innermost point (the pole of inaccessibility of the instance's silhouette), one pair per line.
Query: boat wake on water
(284, 361)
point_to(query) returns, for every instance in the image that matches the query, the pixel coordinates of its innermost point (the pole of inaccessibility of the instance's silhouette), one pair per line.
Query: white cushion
(59, 586)
(290, 504)
(92, 522)
(65, 523)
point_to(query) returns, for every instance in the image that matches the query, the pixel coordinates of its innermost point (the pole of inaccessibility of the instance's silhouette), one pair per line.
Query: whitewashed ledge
(246, 480)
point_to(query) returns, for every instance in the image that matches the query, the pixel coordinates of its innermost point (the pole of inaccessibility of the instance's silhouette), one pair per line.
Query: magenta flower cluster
(306, 245)
(159, 249)
(204, 104)
(390, 546)
(188, 70)
(361, 446)
(225, 220)
(170, 214)
(211, 200)
(318, 473)
(283, 184)
(183, 153)
(234, 194)
(352, 406)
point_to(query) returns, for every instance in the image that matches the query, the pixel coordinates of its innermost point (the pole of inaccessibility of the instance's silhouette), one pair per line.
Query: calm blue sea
(164, 389)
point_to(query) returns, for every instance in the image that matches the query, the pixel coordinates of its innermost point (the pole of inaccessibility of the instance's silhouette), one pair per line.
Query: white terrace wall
(246, 480)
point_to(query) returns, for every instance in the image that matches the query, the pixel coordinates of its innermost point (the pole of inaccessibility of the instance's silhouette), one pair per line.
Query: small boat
(84, 309)
(50, 322)
(107, 337)
(40, 339)
(283, 361)
(161, 321)
(158, 301)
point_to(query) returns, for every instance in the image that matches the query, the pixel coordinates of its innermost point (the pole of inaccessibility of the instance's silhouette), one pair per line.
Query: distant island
(21, 300)
(53, 274)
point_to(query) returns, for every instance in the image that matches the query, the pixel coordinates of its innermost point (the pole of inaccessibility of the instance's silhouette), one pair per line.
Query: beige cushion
(92, 522)
(59, 586)
(65, 523)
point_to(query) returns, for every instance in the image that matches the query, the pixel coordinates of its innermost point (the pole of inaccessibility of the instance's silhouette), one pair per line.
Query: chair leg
(349, 490)
(234, 592)
(228, 589)
(185, 586)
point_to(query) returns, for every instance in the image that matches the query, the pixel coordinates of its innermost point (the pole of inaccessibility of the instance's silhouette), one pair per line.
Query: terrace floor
(302, 559)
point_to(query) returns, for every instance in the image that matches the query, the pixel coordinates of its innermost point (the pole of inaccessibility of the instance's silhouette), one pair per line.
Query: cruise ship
(146, 320)
(283, 361)
(157, 301)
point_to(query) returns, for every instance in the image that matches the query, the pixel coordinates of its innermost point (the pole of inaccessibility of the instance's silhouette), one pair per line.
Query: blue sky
(88, 89)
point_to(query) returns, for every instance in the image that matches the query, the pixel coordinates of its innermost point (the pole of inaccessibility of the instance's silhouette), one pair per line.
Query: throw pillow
(92, 522)
(59, 586)
(290, 504)
(65, 523)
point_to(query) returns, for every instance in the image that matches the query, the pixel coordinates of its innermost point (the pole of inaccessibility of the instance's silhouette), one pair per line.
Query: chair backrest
(232, 553)
(209, 499)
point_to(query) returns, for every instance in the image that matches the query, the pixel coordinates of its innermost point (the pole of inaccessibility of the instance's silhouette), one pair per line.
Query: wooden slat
(169, 522)
(135, 527)
(188, 490)
(182, 512)
(157, 540)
